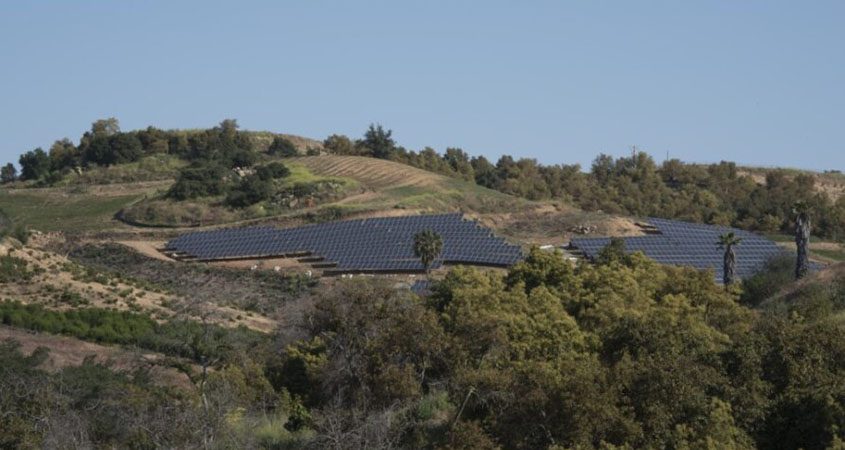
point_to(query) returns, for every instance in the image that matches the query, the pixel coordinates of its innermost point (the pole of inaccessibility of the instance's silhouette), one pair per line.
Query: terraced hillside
(375, 173)
(391, 185)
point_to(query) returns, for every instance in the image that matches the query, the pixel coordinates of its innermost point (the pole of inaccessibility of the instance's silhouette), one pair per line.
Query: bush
(198, 180)
(272, 171)
(13, 270)
(251, 190)
(186, 339)
(778, 273)
(282, 147)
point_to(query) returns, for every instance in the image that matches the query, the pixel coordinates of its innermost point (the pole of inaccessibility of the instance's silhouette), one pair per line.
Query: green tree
(105, 127)
(63, 154)
(801, 210)
(34, 164)
(124, 148)
(727, 242)
(198, 180)
(459, 162)
(614, 251)
(251, 190)
(283, 147)
(427, 247)
(339, 144)
(8, 173)
(379, 142)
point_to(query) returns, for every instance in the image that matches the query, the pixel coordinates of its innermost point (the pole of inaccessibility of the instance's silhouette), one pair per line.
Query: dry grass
(387, 185)
(68, 351)
(58, 276)
(376, 174)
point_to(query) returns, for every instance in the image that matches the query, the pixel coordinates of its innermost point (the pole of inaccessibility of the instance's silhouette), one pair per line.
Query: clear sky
(758, 82)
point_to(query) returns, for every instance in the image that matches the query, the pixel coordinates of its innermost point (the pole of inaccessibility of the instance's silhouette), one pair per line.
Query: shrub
(185, 338)
(13, 270)
(198, 180)
(274, 170)
(251, 190)
(282, 147)
(778, 273)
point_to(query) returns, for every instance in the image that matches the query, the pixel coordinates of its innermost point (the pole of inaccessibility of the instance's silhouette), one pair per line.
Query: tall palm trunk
(729, 266)
(802, 242)
(728, 241)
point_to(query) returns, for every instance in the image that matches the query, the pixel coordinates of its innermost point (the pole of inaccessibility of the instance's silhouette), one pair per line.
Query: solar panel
(375, 244)
(690, 244)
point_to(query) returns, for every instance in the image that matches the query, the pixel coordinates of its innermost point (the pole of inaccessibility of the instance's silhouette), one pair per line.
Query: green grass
(59, 210)
(158, 211)
(301, 174)
(780, 237)
(151, 168)
(835, 255)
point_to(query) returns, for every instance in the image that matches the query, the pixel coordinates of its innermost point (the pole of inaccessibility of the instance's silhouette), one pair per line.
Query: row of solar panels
(380, 244)
(695, 245)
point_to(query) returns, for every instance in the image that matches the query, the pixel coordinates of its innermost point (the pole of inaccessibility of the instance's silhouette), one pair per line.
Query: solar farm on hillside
(377, 245)
(687, 244)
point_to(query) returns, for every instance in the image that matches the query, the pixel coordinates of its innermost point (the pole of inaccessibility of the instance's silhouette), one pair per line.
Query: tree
(64, 154)
(459, 162)
(379, 142)
(34, 164)
(802, 238)
(282, 147)
(427, 247)
(125, 147)
(612, 252)
(727, 242)
(105, 127)
(198, 181)
(251, 190)
(340, 145)
(8, 173)
(229, 127)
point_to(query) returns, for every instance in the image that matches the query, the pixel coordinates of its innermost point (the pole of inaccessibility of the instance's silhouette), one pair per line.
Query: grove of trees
(717, 193)
(621, 354)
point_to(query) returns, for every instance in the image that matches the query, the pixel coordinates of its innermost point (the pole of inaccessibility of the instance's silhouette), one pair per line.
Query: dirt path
(147, 248)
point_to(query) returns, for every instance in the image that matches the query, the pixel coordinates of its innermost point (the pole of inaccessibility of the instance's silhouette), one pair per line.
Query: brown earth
(68, 351)
(58, 275)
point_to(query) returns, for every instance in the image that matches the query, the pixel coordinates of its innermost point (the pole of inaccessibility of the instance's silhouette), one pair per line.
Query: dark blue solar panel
(378, 244)
(694, 245)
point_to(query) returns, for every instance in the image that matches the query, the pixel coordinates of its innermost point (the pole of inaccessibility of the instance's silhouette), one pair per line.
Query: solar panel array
(693, 245)
(366, 245)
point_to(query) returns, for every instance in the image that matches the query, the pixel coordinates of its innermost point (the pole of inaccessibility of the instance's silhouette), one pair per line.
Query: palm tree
(427, 247)
(727, 242)
(802, 238)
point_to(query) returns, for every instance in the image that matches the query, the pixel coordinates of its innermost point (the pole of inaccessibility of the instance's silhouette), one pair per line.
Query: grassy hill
(74, 208)
(387, 184)
(366, 187)
(363, 186)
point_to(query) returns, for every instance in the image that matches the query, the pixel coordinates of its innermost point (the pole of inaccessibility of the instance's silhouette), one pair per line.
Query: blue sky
(758, 82)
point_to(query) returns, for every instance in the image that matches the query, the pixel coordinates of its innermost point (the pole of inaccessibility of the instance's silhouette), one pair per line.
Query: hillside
(832, 183)
(820, 296)
(369, 187)
(270, 344)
